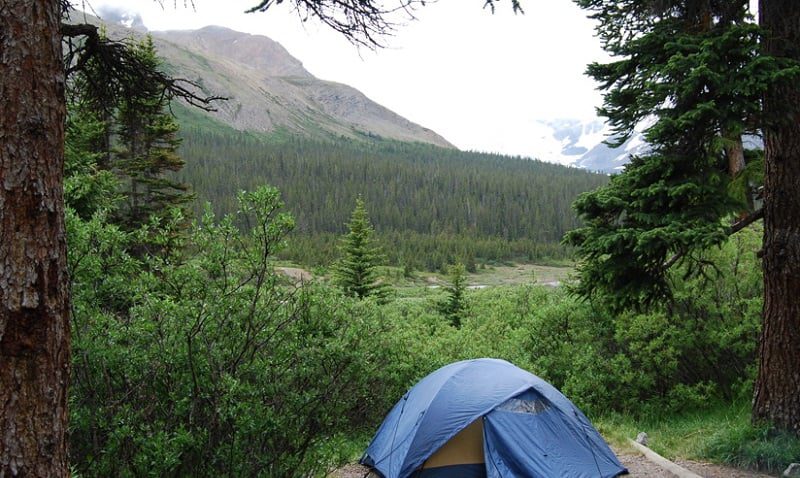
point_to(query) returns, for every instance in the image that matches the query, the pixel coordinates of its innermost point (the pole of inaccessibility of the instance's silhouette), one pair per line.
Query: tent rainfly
(487, 418)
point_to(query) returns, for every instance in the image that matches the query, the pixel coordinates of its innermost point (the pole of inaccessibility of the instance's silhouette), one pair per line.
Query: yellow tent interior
(466, 447)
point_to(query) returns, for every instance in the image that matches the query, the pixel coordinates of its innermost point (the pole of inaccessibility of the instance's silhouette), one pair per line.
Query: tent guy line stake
(659, 460)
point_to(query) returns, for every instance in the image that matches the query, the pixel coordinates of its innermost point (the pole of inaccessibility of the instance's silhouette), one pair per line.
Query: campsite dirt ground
(638, 465)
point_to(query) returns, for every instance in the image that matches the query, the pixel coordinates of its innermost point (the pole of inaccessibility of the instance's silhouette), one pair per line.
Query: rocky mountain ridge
(268, 90)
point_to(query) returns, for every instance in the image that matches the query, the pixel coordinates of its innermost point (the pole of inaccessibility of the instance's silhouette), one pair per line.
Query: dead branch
(114, 70)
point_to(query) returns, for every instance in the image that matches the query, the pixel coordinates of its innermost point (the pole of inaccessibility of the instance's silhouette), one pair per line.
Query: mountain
(431, 204)
(578, 143)
(268, 90)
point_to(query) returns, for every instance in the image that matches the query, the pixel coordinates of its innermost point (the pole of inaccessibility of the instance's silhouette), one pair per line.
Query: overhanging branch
(362, 22)
(114, 70)
(746, 221)
(735, 227)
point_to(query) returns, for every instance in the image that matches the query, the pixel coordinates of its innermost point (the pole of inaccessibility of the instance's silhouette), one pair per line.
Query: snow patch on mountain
(580, 143)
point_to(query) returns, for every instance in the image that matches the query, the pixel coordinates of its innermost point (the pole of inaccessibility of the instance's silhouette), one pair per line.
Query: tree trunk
(735, 153)
(34, 295)
(777, 390)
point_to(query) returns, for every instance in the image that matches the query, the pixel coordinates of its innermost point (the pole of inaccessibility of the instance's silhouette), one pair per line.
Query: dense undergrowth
(193, 357)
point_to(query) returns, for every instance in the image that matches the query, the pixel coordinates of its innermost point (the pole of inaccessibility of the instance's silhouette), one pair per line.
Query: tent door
(528, 437)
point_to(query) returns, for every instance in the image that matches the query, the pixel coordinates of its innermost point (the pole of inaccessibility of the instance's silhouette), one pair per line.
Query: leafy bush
(204, 361)
(683, 355)
(198, 359)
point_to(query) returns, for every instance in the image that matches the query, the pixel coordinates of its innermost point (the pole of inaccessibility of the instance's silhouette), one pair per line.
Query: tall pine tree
(146, 150)
(454, 304)
(690, 68)
(357, 270)
(88, 186)
(699, 72)
(776, 397)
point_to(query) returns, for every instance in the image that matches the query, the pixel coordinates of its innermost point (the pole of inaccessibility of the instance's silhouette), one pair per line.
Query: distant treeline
(424, 192)
(432, 252)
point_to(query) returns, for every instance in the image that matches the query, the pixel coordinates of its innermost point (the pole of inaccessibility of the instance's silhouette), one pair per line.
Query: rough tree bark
(735, 153)
(34, 296)
(777, 390)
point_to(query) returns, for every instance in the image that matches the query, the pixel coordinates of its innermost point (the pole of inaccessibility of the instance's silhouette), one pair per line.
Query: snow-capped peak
(579, 143)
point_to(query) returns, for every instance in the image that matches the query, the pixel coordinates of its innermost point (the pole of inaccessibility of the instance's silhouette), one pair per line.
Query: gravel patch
(637, 465)
(350, 471)
(710, 470)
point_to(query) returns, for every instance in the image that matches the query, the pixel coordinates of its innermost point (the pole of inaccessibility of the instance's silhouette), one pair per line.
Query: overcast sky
(482, 81)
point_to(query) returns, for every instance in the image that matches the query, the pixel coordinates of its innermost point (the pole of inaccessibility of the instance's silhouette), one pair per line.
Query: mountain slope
(269, 90)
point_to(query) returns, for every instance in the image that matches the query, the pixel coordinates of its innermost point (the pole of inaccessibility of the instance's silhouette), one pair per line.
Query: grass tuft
(755, 447)
(721, 434)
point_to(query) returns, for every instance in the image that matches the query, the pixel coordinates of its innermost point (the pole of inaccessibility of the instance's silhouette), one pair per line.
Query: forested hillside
(420, 190)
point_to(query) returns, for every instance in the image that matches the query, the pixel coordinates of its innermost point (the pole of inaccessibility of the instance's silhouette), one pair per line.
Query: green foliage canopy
(146, 149)
(209, 363)
(692, 71)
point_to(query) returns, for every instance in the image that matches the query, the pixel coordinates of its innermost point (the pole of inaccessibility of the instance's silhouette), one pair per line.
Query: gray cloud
(114, 14)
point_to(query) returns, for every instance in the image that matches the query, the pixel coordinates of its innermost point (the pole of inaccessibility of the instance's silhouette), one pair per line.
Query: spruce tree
(693, 71)
(454, 305)
(703, 73)
(147, 150)
(357, 270)
(88, 187)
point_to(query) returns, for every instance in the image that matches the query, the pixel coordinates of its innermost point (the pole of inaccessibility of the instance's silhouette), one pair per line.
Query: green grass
(490, 276)
(722, 434)
(520, 274)
(191, 117)
(428, 285)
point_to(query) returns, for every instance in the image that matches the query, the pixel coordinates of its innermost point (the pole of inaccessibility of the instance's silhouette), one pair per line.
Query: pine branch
(735, 227)
(746, 221)
(362, 22)
(117, 71)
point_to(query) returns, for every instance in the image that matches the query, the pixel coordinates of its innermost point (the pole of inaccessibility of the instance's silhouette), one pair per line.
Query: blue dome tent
(487, 418)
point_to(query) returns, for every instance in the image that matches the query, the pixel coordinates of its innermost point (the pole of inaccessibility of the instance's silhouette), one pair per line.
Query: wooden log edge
(659, 460)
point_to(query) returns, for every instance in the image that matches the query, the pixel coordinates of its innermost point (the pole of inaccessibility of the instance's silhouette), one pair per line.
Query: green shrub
(205, 362)
(201, 360)
(680, 356)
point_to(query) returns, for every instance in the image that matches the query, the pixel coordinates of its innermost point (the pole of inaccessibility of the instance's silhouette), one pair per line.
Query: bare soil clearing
(295, 273)
(639, 466)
